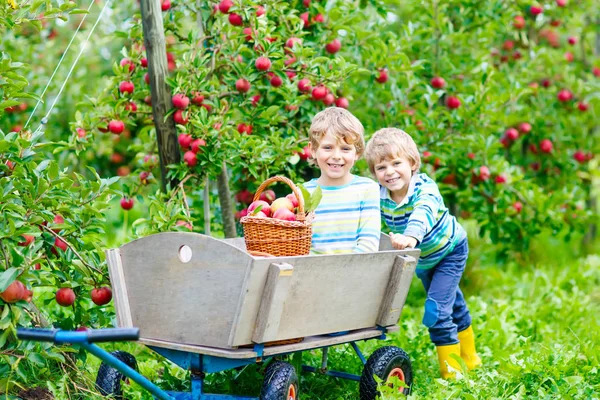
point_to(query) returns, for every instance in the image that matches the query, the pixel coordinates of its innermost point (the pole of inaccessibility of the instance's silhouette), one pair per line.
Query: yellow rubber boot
(467, 348)
(446, 360)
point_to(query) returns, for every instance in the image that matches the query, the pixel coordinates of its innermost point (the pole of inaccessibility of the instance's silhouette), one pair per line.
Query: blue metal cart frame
(199, 364)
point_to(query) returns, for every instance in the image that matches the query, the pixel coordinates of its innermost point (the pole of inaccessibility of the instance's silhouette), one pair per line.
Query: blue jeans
(446, 312)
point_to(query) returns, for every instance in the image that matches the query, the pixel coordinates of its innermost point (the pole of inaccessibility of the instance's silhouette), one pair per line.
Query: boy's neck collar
(338, 185)
(411, 190)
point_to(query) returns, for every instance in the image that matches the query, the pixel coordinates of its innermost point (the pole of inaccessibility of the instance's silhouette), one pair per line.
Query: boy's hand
(401, 242)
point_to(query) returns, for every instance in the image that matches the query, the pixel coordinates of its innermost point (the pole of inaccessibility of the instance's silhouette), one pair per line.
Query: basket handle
(300, 216)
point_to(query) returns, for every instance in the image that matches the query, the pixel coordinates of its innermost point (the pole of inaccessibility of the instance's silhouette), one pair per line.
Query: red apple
(484, 173)
(28, 240)
(197, 98)
(244, 196)
(165, 5)
(197, 145)
(305, 153)
(262, 64)
(453, 102)
(180, 101)
(319, 18)
(126, 87)
(519, 22)
(512, 133)
(382, 76)
(179, 117)
(508, 45)
(13, 293)
(126, 203)
(572, 40)
(524, 127)
(185, 140)
(268, 196)
(536, 10)
(304, 85)
(334, 46)
(292, 197)
(144, 176)
(240, 214)
(518, 206)
(127, 62)
(190, 158)
(276, 81)
(101, 296)
(265, 207)
(500, 179)
(260, 11)
(329, 99)
(582, 106)
(65, 297)
(319, 92)
(580, 156)
(130, 106)
(225, 5)
(281, 203)
(115, 126)
(185, 224)
(289, 44)
(438, 82)
(342, 102)
(284, 214)
(304, 18)
(561, 3)
(564, 95)
(546, 146)
(235, 19)
(242, 85)
(569, 56)
(144, 62)
(27, 295)
(596, 71)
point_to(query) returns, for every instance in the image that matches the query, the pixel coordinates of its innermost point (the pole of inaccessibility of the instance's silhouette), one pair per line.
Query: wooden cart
(208, 305)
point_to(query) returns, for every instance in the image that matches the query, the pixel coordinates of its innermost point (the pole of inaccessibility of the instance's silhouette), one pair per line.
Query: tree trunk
(166, 134)
(226, 203)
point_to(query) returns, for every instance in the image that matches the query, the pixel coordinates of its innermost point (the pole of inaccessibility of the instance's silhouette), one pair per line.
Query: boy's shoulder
(425, 184)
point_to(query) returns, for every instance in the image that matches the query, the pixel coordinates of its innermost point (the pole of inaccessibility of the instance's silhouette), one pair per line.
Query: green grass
(537, 327)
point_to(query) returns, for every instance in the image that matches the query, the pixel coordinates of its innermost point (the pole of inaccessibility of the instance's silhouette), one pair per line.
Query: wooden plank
(328, 293)
(119, 289)
(312, 342)
(274, 294)
(395, 294)
(192, 303)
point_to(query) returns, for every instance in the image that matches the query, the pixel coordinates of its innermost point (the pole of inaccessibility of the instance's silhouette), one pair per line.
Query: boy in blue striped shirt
(347, 219)
(413, 209)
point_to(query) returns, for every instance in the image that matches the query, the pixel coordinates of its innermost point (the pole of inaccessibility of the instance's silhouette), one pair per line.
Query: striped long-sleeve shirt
(347, 219)
(423, 216)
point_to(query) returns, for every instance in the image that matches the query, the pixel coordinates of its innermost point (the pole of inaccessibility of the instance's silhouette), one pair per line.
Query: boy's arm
(423, 217)
(369, 225)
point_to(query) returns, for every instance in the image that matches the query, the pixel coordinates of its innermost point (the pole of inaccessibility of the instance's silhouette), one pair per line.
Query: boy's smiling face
(395, 174)
(335, 159)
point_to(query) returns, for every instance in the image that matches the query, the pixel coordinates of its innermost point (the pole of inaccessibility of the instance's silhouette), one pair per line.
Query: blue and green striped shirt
(347, 219)
(423, 216)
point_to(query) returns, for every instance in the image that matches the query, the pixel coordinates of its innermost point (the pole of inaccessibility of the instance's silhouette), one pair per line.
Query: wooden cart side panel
(397, 290)
(328, 293)
(190, 303)
(119, 289)
(279, 278)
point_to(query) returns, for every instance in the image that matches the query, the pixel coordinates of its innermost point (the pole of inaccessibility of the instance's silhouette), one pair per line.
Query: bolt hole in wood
(185, 254)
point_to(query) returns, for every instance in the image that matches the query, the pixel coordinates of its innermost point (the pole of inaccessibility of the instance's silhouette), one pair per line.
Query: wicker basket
(275, 236)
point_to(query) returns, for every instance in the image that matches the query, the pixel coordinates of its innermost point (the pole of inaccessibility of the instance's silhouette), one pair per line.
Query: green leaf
(315, 199)
(8, 277)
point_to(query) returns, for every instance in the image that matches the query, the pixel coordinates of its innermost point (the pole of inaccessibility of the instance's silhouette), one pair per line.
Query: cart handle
(89, 336)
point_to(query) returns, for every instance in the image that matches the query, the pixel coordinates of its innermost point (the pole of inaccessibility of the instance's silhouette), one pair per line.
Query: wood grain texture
(397, 290)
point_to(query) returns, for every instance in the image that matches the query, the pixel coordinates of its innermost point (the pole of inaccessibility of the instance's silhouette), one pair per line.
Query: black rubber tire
(108, 380)
(279, 376)
(381, 363)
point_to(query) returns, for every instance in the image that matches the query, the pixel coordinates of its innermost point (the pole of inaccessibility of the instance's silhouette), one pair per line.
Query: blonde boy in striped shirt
(413, 209)
(347, 219)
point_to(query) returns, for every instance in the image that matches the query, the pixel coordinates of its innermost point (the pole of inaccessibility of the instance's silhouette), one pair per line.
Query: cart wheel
(109, 379)
(280, 383)
(385, 362)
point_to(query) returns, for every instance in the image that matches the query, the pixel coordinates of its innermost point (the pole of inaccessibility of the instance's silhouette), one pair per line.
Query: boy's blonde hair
(390, 143)
(340, 123)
